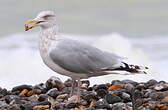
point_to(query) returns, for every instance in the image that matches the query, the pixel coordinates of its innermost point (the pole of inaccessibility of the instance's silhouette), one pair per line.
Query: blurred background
(136, 29)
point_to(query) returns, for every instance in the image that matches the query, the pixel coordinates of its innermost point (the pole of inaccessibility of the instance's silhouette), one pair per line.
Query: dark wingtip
(146, 68)
(145, 72)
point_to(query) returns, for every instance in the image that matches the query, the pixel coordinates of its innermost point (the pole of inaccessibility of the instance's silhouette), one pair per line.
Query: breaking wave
(20, 61)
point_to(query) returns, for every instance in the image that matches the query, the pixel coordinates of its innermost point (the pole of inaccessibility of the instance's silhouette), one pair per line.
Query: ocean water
(21, 63)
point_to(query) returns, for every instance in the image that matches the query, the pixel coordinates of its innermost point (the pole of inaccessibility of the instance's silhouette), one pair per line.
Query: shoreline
(54, 95)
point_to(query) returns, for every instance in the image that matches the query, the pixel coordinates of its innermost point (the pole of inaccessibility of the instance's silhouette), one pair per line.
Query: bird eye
(47, 16)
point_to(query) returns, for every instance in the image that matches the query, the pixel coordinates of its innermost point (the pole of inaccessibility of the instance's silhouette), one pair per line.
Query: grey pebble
(53, 92)
(110, 98)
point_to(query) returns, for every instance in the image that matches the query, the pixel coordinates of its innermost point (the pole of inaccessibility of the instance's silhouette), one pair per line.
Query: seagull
(74, 58)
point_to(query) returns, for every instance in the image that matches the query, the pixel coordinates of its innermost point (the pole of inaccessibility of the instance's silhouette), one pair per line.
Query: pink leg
(75, 92)
(73, 87)
(78, 90)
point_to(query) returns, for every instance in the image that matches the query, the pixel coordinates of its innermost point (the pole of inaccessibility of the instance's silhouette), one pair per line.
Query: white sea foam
(20, 61)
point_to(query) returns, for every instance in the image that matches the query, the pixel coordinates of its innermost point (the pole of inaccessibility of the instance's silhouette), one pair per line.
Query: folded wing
(79, 57)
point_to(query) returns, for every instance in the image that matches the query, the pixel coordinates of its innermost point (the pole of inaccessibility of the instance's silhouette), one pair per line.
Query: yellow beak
(33, 21)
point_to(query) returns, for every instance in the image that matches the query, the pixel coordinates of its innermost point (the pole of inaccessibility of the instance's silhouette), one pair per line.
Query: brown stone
(34, 91)
(165, 99)
(157, 106)
(116, 86)
(62, 96)
(41, 107)
(24, 91)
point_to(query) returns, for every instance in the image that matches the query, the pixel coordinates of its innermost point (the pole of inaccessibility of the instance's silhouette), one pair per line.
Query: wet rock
(129, 104)
(72, 105)
(129, 87)
(84, 102)
(140, 86)
(161, 86)
(74, 98)
(42, 87)
(137, 103)
(101, 86)
(116, 82)
(101, 93)
(165, 99)
(43, 97)
(15, 107)
(151, 94)
(126, 97)
(42, 104)
(120, 104)
(85, 84)
(54, 82)
(7, 99)
(66, 90)
(117, 95)
(27, 106)
(22, 87)
(60, 100)
(110, 98)
(3, 92)
(34, 91)
(158, 95)
(130, 82)
(22, 95)
(62, 96)
(1, 95)
(154, 107)
(151, 82)
(11, 99)
(102, 104)
(148, 92)
(162, 82)
(89, 96)
(58, 106)
(68, 83)
(53, 92)
(89, 89)
(33, 98)
(16, 93)
(146, 100)
(137, 94)
(117, 92)
(16, 101)
(116, 107)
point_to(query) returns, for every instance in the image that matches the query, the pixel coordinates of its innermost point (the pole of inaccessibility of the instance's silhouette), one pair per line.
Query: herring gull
(74, 58)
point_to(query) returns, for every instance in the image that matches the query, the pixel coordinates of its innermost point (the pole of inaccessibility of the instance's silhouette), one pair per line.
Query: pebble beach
(115, 95)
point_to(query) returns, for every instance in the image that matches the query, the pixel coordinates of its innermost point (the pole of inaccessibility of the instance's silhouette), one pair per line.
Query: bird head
(44, 19)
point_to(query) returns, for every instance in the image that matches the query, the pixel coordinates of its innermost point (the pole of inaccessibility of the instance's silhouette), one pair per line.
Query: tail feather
(129, 68)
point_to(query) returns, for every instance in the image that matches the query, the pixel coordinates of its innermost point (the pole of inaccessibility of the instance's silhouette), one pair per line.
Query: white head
(44, 19)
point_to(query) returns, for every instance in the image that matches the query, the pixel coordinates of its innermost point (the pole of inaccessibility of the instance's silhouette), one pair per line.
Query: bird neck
(47, 36)
(49, 33)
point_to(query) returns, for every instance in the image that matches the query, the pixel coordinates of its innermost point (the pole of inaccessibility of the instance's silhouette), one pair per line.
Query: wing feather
(79, 57)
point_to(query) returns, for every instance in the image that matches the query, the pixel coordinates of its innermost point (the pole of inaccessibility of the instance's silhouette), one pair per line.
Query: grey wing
(78, 57)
